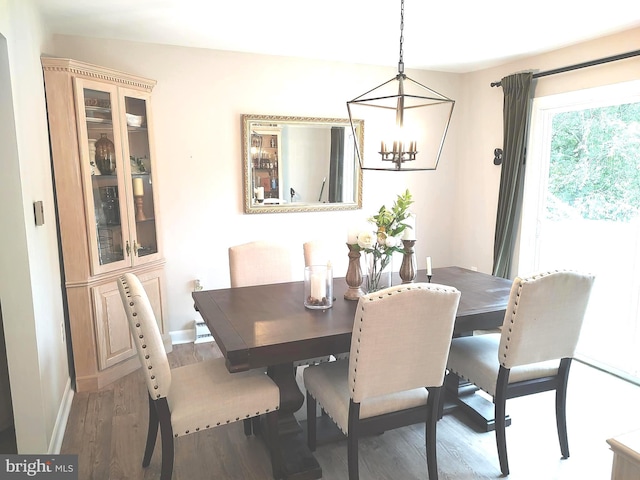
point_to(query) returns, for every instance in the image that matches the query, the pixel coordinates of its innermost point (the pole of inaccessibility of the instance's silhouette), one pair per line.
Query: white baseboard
(183, 336)
(61, 420)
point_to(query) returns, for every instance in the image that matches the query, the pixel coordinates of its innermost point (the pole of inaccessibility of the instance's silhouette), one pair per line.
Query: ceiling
(448, 35)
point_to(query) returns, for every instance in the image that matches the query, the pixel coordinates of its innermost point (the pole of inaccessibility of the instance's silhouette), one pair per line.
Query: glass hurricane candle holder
(318, 287)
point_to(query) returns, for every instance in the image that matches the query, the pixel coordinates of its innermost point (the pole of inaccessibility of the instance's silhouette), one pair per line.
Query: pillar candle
(260, 193)
(318, 285)
(352, 236)
(409, 233)
(138, 187)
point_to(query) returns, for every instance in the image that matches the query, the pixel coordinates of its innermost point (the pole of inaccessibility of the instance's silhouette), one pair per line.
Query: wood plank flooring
(107, 429)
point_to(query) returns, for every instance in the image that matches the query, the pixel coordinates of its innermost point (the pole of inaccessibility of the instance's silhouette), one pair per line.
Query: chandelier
(406, 121)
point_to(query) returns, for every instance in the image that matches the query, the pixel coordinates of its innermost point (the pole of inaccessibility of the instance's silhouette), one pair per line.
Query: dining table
(268, 326)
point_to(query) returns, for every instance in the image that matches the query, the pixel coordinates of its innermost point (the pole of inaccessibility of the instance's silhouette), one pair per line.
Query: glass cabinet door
(137, 150)
(103, 172)
(266, 171)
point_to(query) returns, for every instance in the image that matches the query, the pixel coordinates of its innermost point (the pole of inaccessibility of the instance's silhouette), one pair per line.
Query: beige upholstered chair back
(401, 338)
(146, 335)
(260, 263)
(544, 317)
(316, 252)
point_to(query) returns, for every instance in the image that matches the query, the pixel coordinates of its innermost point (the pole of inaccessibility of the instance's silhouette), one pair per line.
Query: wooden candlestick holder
(354, 274)
(139, 201)
(408, 267)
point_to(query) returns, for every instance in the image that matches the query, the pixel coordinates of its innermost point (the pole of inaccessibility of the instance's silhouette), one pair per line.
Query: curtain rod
(577, 66)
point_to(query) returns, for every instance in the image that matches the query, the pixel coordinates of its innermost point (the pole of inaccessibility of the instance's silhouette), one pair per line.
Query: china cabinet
(101, 135)
(267, 171)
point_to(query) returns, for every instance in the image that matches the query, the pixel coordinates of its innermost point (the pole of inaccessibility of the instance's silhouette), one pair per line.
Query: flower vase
(379, 270)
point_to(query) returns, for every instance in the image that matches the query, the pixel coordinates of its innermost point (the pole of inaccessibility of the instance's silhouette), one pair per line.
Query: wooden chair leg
(561, 406)
(352, 440)
(152, 433)
(500, 401)
(255, 423)
(311, 422)
(247, 423)
(433, 414)
(273, 436)
(166, 435)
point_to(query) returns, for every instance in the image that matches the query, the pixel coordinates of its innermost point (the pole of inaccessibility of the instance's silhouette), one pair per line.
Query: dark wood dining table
(268, 326)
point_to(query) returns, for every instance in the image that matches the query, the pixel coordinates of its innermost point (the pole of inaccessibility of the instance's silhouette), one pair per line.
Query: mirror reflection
(297, 164)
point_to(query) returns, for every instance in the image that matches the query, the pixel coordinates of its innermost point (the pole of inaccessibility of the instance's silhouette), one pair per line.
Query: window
(581, 210)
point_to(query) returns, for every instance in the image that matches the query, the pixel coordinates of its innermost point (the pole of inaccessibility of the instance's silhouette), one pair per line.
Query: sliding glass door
(582, 211)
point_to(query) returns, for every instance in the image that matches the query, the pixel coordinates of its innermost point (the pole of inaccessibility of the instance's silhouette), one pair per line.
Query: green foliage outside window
(595, 164)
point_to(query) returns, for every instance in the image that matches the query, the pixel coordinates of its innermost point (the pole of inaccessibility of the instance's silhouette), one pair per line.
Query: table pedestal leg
(298, 463)
(461, 394)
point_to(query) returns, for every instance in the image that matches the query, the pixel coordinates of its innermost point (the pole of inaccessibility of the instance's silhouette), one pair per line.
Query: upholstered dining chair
(533, 352)
(195, 397)
(259, 263)
(394, 330)
(316, 252)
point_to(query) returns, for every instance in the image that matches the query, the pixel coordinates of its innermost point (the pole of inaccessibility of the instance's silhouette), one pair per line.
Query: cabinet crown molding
(75, 67)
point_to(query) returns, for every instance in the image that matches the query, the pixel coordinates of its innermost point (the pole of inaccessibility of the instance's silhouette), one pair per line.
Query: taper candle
(429, 266)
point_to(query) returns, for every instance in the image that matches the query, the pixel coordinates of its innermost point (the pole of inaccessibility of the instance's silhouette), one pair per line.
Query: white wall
(30, 284)
(197, 107)
(478, 179)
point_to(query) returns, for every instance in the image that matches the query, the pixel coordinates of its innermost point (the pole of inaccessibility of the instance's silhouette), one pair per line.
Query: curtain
(516, 110)
(336, 164)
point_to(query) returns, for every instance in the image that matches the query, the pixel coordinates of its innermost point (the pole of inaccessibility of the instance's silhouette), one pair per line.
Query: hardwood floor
(107, 429)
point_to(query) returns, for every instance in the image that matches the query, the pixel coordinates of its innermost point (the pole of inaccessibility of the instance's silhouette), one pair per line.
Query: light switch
(38, 210)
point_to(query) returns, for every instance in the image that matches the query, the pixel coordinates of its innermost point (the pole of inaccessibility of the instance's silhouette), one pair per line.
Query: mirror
(300, 164)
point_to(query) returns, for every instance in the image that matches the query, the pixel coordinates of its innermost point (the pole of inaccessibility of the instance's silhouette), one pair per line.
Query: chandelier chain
(401, 30)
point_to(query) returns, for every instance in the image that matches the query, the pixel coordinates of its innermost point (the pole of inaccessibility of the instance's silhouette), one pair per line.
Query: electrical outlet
(197, 285)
